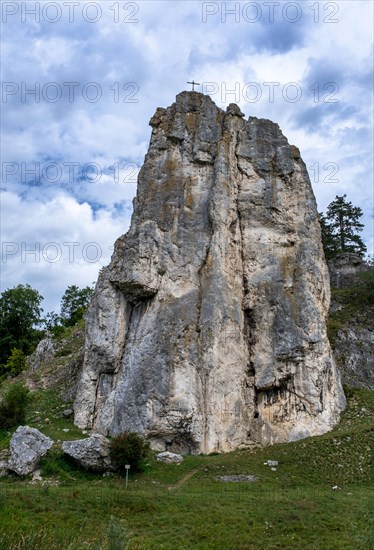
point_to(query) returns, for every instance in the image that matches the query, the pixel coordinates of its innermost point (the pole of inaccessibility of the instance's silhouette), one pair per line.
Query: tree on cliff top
(340, 227)
(74, 303)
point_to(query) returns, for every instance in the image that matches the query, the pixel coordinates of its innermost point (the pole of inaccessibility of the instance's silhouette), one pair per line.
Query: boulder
(91, 453)
(169, 458)
(27, 447)
(3, 468)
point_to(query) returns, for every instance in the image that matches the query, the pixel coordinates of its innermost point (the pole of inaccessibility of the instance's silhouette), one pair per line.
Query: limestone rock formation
(352, 310)
(91, 453)
(27, 447)
(169, 458)
(344, 269)
(44, 352)
(207, 330)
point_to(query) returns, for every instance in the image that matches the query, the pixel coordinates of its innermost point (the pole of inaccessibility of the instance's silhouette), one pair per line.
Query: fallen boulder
(169, 458)
(92, 453)
(27, 447)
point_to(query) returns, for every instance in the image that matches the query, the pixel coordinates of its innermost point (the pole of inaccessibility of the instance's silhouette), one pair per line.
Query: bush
(13, 406)
(15, 364)
(129, 448)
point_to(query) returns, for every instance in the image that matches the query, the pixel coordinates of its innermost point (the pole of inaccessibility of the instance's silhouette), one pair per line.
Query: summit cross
(194, 84)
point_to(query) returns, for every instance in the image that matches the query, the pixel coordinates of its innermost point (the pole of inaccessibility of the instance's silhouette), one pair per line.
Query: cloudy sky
(82, 79)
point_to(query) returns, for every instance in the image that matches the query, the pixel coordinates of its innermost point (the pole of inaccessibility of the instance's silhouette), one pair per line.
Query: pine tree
(340, 228)
(330, 243)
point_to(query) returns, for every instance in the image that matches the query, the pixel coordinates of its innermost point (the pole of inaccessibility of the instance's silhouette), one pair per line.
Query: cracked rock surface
(207, 330)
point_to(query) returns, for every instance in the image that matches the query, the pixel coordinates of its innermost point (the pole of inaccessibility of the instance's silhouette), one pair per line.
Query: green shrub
(13, 406)
(129, 448)
(15, 364)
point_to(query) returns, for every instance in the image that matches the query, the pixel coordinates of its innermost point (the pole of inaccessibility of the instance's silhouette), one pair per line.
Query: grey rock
(27, 447)
(344, 269)
(44, 352)
(353, 349)
(67, 413)
(237, 478)
(233, 109)
(91, 453)
(272, 462)
(3, 468)
(37, 476)
(354, 343)
(169, 458)
(207, 330)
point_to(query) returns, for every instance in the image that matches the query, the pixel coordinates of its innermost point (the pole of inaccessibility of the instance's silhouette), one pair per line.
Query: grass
(184, 506)
(45, 414)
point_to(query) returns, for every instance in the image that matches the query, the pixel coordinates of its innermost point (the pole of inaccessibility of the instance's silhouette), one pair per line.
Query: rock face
(91, 453)
(207, 329)
(169, 458)
(344, 269)
(354, 342)
(353, 349)
(27, 447)
(44, 352)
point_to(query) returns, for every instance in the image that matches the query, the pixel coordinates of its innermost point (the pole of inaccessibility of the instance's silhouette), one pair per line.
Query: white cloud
(55, 243)
(168, 46)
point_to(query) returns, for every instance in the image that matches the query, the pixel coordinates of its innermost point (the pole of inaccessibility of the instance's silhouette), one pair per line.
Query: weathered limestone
(169, 458)
(207, 330)
(91, 453)
(27, 447)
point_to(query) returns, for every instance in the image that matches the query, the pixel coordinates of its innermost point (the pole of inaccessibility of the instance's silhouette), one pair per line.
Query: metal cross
(194, 84)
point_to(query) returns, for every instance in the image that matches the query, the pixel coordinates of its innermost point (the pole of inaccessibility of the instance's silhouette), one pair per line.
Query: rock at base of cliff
(3, 468)
(91, 453)
(27, 447)
(169, 458)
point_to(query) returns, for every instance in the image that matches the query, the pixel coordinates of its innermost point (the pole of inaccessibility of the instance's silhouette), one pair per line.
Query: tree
(74, 303)
(129, 448)
(20, 312)
(340, 228)
(328, 240)
(13, 406)
(15, 364)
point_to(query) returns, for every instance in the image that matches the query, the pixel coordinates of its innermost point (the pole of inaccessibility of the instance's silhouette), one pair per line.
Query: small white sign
(127, 466)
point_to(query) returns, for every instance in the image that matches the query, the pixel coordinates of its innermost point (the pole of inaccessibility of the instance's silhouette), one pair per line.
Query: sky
(81, 80)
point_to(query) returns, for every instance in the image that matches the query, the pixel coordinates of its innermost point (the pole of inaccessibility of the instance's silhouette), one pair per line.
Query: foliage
(15, 364)
(52, 324)
(74, 303)
(20, 311)
(129, 448)
(117, 538)
(340, 227)
(13, 406)
(329, 241)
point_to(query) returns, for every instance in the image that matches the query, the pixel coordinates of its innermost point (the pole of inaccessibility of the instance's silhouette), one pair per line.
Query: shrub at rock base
(128, 448)
(13, 406)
